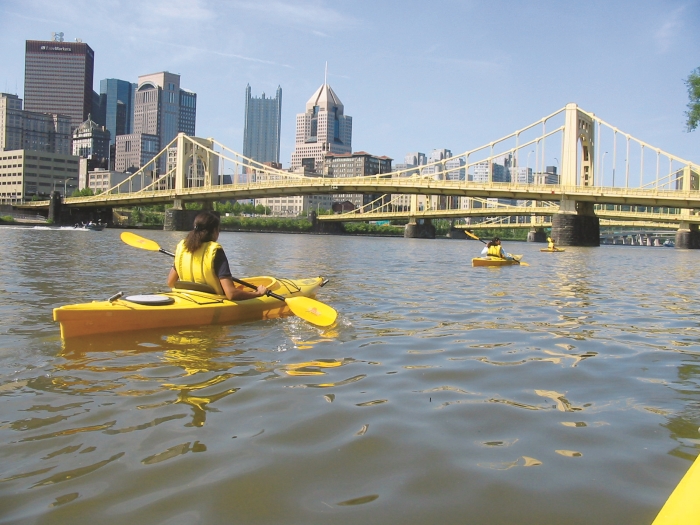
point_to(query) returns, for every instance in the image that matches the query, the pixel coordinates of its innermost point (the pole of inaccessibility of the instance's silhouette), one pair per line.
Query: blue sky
(413, 75)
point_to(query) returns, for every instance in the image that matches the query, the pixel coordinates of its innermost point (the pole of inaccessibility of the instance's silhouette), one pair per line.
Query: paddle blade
(139, 242)
(311, 310)
(472, 235)
(517, 258)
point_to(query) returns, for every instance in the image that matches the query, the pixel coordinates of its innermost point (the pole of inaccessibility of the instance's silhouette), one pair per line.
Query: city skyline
(409, 87)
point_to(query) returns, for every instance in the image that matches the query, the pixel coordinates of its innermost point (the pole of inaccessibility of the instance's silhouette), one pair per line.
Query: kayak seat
(195, 287)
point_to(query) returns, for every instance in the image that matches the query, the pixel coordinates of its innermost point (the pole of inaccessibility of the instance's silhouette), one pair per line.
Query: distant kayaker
(550, 243)
(494, 249)
(199, 258)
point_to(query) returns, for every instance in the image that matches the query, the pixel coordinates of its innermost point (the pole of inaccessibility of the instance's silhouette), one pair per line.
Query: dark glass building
(263, 120)
(118, 100)
(58, 79)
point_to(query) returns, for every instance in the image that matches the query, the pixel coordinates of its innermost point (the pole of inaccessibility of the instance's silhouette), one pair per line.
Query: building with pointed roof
(323, 128)
(91, 140)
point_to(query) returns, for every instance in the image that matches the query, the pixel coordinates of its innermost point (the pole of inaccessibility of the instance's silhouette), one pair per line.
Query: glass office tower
(119, 106)
(263, 120)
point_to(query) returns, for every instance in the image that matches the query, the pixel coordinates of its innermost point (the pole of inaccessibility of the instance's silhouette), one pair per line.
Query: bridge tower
(196, 166)
(576, 223)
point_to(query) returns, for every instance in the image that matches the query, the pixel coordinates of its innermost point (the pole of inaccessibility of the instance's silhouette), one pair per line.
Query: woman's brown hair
(205, 224)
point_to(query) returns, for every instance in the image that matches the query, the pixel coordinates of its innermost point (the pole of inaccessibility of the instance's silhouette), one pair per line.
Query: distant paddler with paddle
(550, 244)
(494, 249)
(200, 259)
(494, 255)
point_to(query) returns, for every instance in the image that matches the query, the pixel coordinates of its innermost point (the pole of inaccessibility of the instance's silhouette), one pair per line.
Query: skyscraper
(119, 106)
(30, 130)
(161, 108)
(58, 78)
(323, 128)
(261, 133)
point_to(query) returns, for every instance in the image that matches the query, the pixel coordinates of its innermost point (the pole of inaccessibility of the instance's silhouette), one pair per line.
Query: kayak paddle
(308, 309)
(514, 257)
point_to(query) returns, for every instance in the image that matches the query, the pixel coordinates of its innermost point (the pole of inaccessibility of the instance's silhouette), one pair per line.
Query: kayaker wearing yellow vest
(200, 259)
(494, 249)
(550, 243)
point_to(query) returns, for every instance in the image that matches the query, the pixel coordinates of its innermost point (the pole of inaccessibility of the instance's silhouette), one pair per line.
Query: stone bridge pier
(688, 236)
(419, 229)
(537, 235)
(576, 224)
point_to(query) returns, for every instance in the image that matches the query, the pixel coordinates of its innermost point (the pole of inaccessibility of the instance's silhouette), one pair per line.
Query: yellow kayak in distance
(181, 308)
(552, 250)
(683, 505)
(489, 260)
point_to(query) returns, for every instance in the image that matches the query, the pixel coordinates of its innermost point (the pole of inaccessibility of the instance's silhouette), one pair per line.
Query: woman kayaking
(550, 244)
(200, 259)
(494, 249)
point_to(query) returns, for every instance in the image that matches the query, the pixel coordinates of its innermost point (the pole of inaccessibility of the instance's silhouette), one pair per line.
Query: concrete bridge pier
(420, 229)
(55, 204)
(178, 219)
(536, 235)
(576, 224)
(688, 236)
(324, 226)
(456, 233)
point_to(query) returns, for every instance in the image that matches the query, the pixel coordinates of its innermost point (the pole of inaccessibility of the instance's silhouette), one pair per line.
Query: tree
(693, 113)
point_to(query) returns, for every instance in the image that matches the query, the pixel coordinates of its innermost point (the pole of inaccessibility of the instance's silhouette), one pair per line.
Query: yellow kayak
(683, 505)
(489, 260)
(181, 307)
(552, 249)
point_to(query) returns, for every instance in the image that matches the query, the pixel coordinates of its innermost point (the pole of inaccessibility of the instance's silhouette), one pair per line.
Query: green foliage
(7, 218)
(505, 234)
(193, 205)
(266, 224)
(693, 113)
(85, 192)
(146, 216)
(363, 228)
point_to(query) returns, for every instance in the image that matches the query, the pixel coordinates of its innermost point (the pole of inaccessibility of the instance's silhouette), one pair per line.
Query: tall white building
(322, 128)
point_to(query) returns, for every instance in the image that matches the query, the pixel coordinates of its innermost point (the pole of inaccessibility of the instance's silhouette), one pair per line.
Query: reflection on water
(438, 384)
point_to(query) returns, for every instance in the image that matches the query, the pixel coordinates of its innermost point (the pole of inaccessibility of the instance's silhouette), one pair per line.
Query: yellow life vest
(494, 250)
(198, 267)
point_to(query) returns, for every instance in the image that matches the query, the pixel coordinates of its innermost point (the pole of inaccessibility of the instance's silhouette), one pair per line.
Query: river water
(566, 391)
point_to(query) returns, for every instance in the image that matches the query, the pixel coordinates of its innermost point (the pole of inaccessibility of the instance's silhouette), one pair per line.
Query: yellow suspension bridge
(652, 185)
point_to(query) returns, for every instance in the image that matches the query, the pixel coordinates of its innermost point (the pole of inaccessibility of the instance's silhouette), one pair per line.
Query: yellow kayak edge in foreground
(185, 308)
(683, 505)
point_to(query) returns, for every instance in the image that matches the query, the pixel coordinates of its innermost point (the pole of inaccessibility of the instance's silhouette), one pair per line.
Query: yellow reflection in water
(569, 453)
(506, 465)
(194, 352)
(311, 368)
(563, 404)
